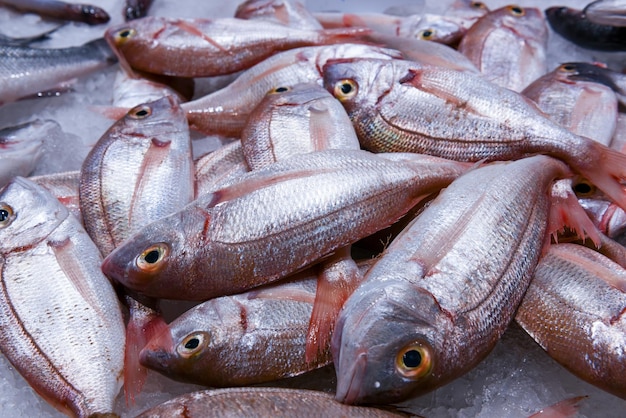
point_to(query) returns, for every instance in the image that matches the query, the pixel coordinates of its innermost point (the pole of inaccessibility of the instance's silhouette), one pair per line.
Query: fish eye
(151, 259)
(280, 89)
(192, 344)
(426, 34)
(6, 215)
(414, 361)
(583, 188)
(517, 11)
(345, 89)
(570, 68)
(478, 5)
(123, 35)
(140, 112)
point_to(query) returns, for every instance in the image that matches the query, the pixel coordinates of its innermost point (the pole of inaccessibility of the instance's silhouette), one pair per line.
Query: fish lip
(348, 391)
(112, 270)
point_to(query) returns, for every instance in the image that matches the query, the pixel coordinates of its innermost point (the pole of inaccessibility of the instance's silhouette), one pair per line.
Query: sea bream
(444, 291)
(274, 222)
(404, 106)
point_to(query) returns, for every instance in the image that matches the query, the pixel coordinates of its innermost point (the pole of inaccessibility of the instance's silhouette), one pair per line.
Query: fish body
(290, 13)
(226, 111)
(208, 47)
(443, 292)
(403, 106)
(573, 25)
(25, 71)
(523, 30)
(140, 170)
(273, 222)
(76, 12)
(220, 167)
(60, 321)
(574, 309)
(259, 403)
(585, 107)
(21, 148)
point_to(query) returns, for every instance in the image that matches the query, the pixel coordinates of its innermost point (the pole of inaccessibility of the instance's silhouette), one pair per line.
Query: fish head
(28, 214)
(158, 119)
(385, 345)
(527, 22)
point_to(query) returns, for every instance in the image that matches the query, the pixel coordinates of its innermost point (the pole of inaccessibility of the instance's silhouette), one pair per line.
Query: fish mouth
(349, 384)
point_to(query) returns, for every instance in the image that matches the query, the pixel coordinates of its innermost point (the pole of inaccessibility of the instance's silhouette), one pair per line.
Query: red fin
(565, 408)
(192, 30)
(566, 211)
(341, 35)
(144, 324)
(337, 280)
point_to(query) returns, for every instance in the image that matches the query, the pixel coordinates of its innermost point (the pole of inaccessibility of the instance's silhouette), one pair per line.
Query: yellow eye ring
(478, 5)
(124, 35)
(517, 11)
(426, 34)
(345, 89)
(583, 188)
(151, 259)
(6, 215)
(569, 68)
(192, 344)
(140, 112)
(278, 90)
(414, 361)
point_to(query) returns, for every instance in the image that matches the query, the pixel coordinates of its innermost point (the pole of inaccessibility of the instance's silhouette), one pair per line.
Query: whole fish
(140, 170)
(586, 107)
(21, 148)
(606, 12)
(260, 403)
(524, 32)
(573, 25)
(226, 111)
(274, 222)
(86, 13)
(253, 337)
(443, 292)
(25, 71)
(294, 120)
(290, 13)
(209, 47)
(60, 321)
(403, 106)
(574, 309)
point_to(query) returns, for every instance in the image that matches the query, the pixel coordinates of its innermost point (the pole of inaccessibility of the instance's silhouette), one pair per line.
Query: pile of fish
(387, 194)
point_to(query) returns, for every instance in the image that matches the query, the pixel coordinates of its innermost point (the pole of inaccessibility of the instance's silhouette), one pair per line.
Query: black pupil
(281, 89)
(192, 343)
(517, 10)
(412, 359)
(346, 88)
(427, 33)
(142, 112)
(152, 257)
(582, 188)
(4, 215)
(125, 33)
(568, 67)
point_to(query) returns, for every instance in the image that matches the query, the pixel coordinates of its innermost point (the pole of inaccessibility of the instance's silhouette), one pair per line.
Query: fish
(219, 168)
(586, 107)
(61, 324)
(274, 221)
(135, 9)
(76, 12)
(573, 25)
(63, 186)
(440, 296)
(574, 309)
(606, 12)
(594, 72)
(27, 40)
(21, 148)
(249, 338)
(261, 402)
(523, 30)
(225, 112)
(290, 13)
(398, 105)
(25, 71)
(209, 47)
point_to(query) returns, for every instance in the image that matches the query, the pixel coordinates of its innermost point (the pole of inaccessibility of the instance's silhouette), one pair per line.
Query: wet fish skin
(606, 12)
(135, 9)
(290, 13)
(63, 186)
(225, 111)
(441, 295)
(525, 32)
(574, 26)
(404, 106)
(25, 71)
(574, 309)
(208, 47)
(260, 402)
(149, 153)
(583, 104)
(86, 13)
(268, 224)
(220, 167)
(295, 119)
(21, 148)
(51, 269)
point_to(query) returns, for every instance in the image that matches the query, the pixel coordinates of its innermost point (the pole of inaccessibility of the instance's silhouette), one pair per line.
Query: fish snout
(350, 381)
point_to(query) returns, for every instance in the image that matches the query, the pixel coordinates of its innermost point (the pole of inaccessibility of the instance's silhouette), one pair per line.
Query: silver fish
(60, 320)
(441, 295)
(290, 13)
(274, 221)
(64, 186)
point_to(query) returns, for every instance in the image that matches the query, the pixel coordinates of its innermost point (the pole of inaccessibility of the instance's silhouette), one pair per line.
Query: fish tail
(606, 168)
